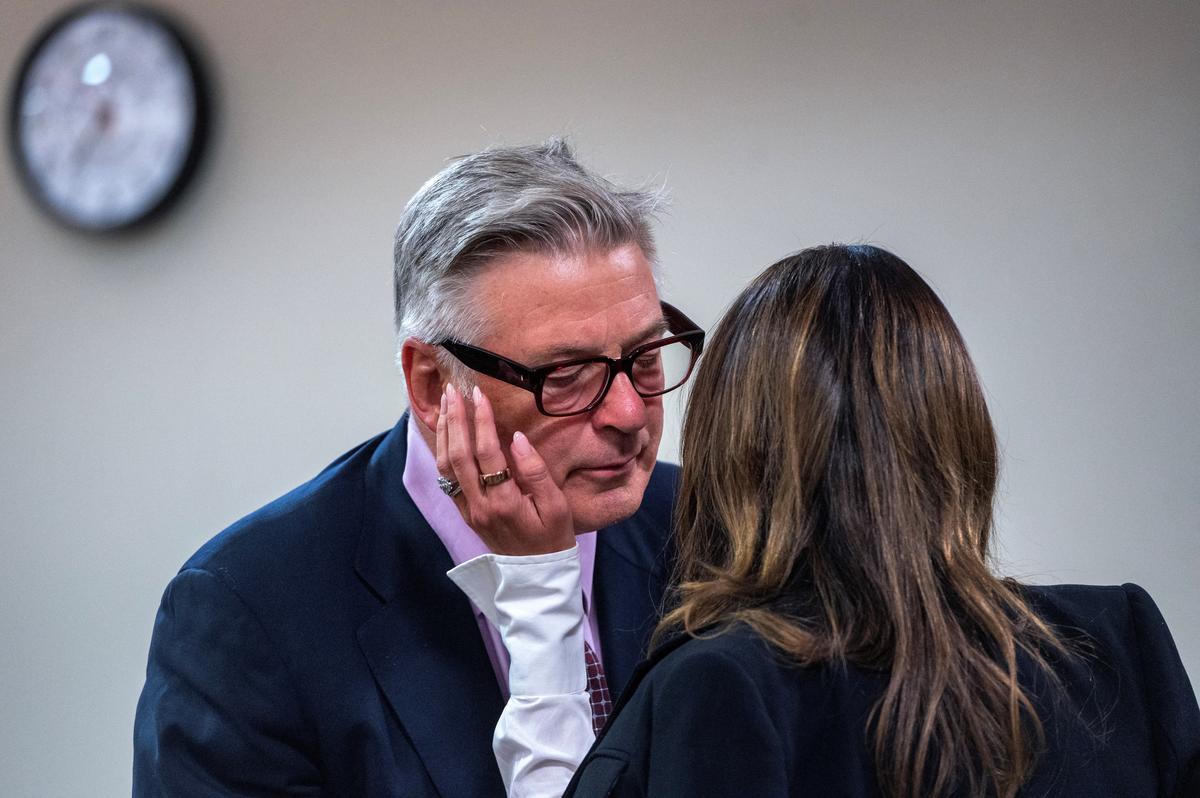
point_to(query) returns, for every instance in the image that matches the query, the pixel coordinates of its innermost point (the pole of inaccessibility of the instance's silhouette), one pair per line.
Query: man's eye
(564, 376)
(648, 360)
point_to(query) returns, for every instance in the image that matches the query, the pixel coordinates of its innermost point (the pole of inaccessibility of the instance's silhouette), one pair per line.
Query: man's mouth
(613, 469)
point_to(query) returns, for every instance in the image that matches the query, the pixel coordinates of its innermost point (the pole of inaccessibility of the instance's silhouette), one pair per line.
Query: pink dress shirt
(420, 480)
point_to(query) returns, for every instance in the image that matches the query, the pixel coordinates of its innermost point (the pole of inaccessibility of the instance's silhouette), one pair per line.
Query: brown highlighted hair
(839, 470)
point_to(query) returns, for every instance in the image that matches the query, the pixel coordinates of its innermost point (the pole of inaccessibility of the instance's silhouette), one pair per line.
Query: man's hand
(527, 514)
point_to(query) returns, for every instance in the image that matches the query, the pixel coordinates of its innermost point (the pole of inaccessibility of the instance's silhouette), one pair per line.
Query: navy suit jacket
(316, 647)
(728, 716)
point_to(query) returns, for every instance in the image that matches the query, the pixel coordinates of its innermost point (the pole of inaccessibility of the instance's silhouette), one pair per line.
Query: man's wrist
(537, 604)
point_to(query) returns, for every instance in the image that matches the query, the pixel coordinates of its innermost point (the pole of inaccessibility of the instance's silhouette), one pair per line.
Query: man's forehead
(562, 306)
(573, 343)
(560, 334)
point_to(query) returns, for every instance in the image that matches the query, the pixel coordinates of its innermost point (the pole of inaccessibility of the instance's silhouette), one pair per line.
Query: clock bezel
(199, 133)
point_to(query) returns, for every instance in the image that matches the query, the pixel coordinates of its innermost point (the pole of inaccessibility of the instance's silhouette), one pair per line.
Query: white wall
(1040, 163)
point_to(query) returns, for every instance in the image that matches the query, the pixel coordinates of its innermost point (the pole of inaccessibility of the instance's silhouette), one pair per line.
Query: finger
(534, 479)
(444, 467)
(459, 446)
(487, 444)
(443, 452)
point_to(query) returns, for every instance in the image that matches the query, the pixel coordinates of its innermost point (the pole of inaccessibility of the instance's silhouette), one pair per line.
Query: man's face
(543, 308)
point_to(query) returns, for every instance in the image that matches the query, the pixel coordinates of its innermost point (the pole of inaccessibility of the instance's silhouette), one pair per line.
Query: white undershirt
(536, 602)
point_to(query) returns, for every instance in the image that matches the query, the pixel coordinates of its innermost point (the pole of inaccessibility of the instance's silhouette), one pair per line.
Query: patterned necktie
(597, 689)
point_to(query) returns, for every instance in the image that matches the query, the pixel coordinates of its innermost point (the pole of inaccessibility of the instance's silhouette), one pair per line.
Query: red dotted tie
(597, 689)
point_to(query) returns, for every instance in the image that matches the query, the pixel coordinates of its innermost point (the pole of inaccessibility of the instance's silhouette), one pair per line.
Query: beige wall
(1039, 162)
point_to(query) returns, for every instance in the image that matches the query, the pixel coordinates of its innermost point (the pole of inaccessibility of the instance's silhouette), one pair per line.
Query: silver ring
(494, 478)
(450, 487)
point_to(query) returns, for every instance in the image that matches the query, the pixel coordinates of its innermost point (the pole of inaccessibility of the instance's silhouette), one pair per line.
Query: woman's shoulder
(1098, 613)
(1128, 694)
(1083, 600)
(1112, 636)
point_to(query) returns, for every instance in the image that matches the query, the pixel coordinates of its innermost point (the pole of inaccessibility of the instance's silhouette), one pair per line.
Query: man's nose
(622, 408)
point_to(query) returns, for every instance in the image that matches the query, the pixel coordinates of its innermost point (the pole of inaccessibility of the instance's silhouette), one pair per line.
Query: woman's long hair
(839, 469)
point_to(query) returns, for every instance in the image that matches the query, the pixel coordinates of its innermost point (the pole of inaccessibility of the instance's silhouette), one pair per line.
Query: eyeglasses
(568, 387)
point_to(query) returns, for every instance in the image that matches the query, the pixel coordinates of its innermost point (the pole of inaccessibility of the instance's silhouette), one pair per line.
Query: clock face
(106, 117)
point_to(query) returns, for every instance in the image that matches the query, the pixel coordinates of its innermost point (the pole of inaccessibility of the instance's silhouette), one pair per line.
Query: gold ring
(494, 478)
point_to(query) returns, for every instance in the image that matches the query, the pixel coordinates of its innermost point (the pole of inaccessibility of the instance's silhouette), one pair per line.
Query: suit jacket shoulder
(263, 555)
(247, 640)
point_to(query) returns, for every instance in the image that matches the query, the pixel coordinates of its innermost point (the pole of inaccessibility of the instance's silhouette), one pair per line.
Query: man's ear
(424, 379)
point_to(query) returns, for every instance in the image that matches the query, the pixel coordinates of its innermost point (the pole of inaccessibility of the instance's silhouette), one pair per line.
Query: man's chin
(598, 510)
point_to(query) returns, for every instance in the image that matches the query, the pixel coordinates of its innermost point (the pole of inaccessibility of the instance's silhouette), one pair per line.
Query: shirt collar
(461, 542)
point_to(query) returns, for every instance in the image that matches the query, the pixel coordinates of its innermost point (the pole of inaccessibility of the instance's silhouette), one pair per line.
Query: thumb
(534, 479)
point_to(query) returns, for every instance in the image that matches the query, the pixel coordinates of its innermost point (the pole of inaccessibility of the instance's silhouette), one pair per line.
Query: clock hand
(89, 139)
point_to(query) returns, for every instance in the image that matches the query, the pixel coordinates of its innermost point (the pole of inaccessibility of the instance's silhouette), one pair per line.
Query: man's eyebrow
(569, 352)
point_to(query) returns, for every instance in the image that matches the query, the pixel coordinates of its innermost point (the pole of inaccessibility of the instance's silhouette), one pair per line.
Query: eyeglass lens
(655, 371)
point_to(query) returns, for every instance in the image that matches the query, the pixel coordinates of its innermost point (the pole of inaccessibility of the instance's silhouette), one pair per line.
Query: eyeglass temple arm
(491, 364)
(680, 324)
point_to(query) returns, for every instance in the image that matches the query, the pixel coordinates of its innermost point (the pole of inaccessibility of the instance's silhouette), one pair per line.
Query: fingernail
(520, 444)
(476, 395)
(443, 406)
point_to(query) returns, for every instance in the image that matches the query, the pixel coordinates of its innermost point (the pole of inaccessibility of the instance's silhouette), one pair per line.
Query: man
(317, 646)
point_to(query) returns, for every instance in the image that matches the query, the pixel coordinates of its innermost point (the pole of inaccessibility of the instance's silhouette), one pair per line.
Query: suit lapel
(628, 586)
(424, 646)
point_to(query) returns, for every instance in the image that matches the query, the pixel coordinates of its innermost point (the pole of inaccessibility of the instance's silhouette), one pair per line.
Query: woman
(837, 630)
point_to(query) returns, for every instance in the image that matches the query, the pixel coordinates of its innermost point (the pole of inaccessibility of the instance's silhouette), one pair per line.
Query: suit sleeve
(218, 714)
(1170, 701)
(712, 734)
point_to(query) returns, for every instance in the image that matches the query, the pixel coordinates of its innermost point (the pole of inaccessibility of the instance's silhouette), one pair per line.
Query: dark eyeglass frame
(532, 379)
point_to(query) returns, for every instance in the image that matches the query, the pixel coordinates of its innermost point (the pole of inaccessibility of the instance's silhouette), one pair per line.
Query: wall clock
(107, 116)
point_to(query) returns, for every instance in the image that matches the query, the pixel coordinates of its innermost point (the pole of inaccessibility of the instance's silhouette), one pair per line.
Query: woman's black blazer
(728, 716)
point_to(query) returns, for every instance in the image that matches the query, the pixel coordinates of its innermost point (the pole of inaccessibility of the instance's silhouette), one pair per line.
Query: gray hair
(534, 198)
